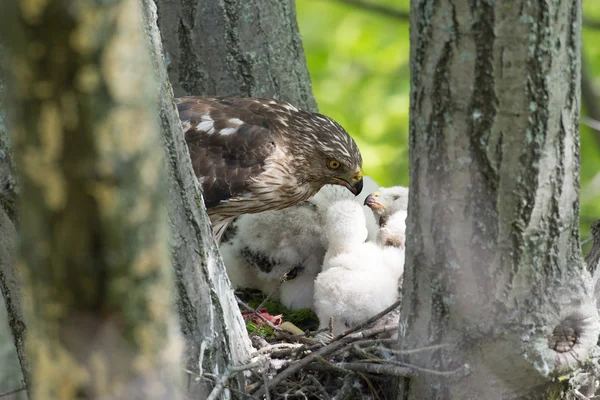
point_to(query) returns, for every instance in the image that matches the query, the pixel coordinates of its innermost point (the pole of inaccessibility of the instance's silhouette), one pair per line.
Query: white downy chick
(265, 246)
(385, 202)
(330, 194)
(393, 232)
(355, 283)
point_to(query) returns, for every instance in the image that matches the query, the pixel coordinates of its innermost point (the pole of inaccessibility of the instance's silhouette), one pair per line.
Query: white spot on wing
(235, 121)
(205, 127)
(289, 107)
(228, 131)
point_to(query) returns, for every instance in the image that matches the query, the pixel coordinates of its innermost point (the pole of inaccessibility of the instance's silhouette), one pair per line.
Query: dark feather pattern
(253, 154)
(227, 161)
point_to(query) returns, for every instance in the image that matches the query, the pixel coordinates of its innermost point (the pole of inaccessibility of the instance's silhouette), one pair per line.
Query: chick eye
(333, 164)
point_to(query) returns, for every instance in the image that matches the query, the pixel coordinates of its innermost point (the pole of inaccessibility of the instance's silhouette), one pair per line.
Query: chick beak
(373, 203)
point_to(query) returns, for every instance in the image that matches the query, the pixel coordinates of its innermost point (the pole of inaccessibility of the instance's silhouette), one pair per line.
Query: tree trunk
(219, 48)
(12, 333)
(235, 48)
(93, 246)
(214, 331)
(494, 268)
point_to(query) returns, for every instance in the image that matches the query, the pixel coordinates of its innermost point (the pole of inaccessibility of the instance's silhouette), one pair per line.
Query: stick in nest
(369, 321)
(283, 279)
(324, 351)
(214, 394)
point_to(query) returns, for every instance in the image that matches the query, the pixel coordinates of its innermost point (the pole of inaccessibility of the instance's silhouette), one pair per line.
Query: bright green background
(358, 62)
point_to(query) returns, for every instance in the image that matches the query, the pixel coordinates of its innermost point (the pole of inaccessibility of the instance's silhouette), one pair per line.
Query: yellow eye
(333, 164)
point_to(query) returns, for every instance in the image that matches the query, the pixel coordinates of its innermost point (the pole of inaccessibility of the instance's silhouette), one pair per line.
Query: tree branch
(404, 15)
(589, 100)
(378, 9)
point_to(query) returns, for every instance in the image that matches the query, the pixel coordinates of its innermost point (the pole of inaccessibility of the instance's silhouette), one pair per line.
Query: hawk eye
(333, 164)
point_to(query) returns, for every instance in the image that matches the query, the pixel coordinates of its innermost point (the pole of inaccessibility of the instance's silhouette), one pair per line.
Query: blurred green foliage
(359, 65)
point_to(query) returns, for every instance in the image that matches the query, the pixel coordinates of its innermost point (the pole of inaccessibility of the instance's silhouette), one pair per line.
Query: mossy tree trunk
(494, 268)
(93, 253)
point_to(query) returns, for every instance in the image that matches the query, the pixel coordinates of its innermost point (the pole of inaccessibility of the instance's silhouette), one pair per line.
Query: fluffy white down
(359, 279)
(393, 233)
(329, 194)
(395, 198)
(288, 238)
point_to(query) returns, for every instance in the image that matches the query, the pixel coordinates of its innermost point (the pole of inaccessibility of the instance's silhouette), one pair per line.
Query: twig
(591, 24)
(586, 241)
(266, 382)
(370, 368)
(591, 123)
(411, 351)
(405, 15)
(580, 395)
(326, 350)
(301, 338)
(589, 99)
(369, 321)
(247, 307)
(262, 303)
(274, 347)
(316, 382)
(429, 371)
(378, 8)
(13, 391)
(214, 394)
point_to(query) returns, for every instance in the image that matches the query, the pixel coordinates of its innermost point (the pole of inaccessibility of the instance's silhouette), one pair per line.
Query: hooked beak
(372, 201)
(355, 185)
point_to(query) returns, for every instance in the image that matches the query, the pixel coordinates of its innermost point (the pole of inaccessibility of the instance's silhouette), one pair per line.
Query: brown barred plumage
(254, 154)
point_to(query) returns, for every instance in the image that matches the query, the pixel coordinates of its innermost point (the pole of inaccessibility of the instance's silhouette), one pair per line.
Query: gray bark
(235, 48)
(214, 331)
(494, 269)
(11, 376)
(226, 48)
(12, 329)
(93, 258)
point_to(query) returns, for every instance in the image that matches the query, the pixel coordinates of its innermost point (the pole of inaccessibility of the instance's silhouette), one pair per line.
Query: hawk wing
(228, 140)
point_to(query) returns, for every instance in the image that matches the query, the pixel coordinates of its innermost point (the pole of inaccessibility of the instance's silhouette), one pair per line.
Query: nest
(295, 361)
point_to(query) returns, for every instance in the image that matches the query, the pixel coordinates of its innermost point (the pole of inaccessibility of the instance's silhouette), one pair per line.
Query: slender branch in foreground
(378, 8)
(591, 123)
(591, 24)
(14, 391)
(404, 15)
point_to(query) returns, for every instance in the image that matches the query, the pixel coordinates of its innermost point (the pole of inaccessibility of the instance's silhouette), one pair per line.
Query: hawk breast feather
(229, 141)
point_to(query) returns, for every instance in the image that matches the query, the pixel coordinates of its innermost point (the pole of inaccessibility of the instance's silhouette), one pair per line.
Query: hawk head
(322, 151)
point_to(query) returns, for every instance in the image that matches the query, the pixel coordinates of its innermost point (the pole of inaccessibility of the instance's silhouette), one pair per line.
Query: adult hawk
(253, 155)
